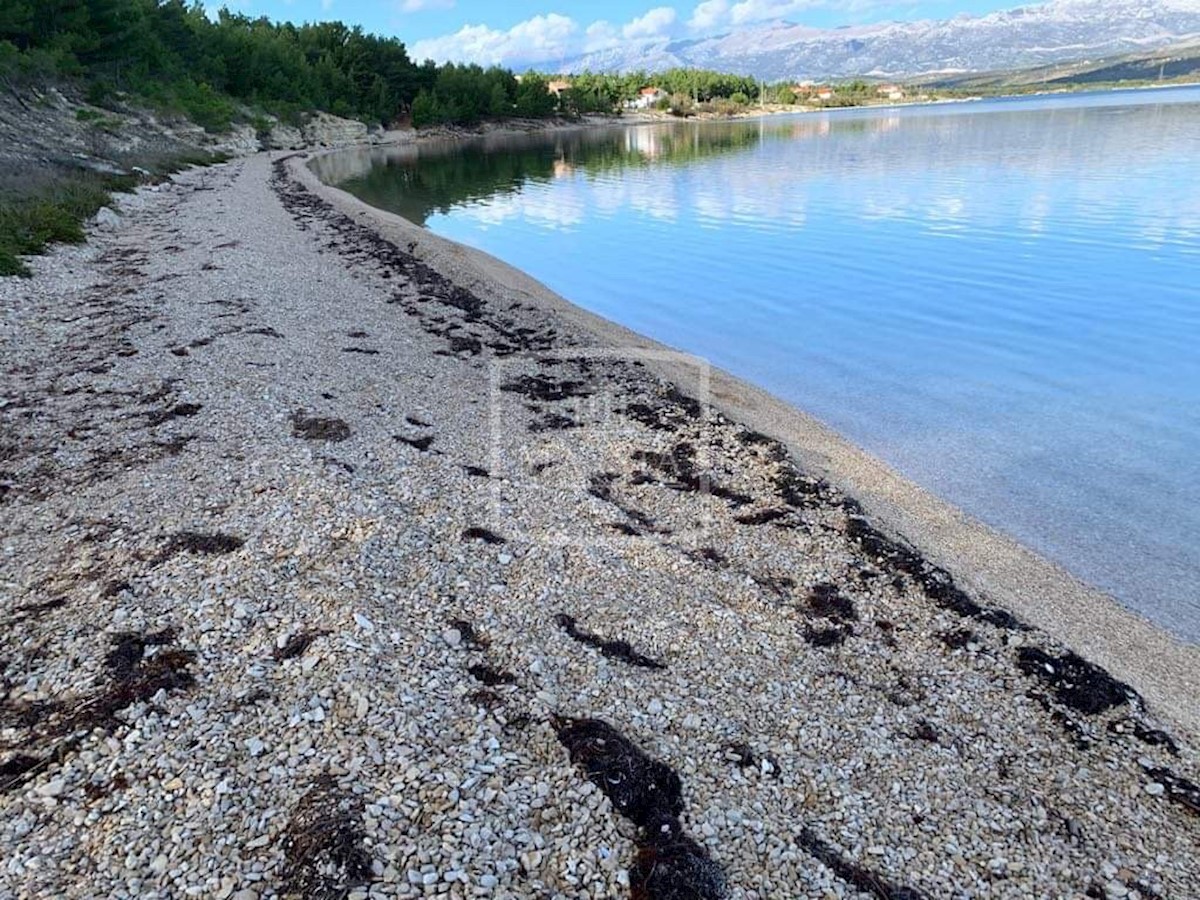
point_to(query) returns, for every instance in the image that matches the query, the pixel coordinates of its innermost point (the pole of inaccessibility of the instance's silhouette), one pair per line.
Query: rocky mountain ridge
(1024, 37)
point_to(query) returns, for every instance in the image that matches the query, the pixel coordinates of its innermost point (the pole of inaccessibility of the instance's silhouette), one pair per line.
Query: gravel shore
(330, 571)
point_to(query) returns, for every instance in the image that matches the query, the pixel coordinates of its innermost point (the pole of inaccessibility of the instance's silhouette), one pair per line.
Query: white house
(647, 97)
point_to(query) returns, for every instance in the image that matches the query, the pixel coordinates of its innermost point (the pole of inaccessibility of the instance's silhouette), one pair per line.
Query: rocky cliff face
(53, 128)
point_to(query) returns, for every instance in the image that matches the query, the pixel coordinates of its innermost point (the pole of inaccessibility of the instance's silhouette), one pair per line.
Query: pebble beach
(330, 569)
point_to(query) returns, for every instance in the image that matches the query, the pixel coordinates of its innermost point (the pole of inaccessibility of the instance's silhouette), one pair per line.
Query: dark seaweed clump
(54, 726)
(618, 650)
(672, 866)
(707, 555)
(180, 411)
(325, 857)
(743, 755)
(545, 389)
(958, 639)
(641, 788)
(763, 517)
(129, 647)
(199, 544)
(852, 873)
(1152, 736)
(679, 466)
(827, 601)
(315, 428)
(937, 583)
(832, 636)
(482, 534)
(470, 635)
(296, 645)
(669, 865)
(1178, 789)
(1077, 683)
(600, 486)
(485, 674)
(422, 443)
(552, 422)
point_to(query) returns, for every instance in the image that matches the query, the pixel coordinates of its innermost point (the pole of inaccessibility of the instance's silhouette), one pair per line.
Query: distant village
(803, 93)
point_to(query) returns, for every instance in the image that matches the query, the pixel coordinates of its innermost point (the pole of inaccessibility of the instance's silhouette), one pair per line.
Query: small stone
(452, 636)
(255, 746)
(655, 707)
(106, 219)
(364, 623)
(1154, 789)
(53, 788)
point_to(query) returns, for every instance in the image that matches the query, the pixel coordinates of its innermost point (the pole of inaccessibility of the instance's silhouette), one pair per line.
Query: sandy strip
(342, 561)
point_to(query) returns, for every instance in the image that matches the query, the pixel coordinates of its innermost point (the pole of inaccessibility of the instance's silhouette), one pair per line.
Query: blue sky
(508, 31)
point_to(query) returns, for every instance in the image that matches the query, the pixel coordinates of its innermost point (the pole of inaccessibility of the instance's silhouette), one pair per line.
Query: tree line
(176, 56)
(173, 54)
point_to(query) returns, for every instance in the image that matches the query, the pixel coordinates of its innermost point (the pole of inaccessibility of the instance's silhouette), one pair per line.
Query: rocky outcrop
(324, 130)
(52, 128)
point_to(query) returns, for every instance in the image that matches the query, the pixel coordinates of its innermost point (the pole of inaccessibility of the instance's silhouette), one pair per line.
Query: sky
(505, 32)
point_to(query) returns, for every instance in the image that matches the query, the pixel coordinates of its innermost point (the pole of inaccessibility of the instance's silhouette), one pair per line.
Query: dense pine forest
(176, 57)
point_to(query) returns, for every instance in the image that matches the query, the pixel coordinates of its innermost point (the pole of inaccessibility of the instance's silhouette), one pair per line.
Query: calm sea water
(1000, 299)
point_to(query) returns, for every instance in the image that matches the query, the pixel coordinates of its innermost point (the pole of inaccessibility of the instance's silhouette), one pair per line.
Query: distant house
(810, 91)
(557, 87)
(647, 97)
(891, 91)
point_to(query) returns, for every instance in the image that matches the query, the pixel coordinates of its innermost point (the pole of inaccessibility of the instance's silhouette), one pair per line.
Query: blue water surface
(1001, 299)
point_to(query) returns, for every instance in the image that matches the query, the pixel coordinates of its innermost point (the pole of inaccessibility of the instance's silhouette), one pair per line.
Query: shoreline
(342, 560)
(1164, 667)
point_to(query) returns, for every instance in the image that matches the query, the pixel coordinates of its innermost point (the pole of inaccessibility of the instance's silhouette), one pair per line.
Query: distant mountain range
(1025, 37)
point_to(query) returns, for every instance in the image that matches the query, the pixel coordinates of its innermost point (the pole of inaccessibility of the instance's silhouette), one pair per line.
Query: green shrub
(739, 98)
(682, 107)
(204, 106)
(54, 212)
(101, 93)
(11, 266)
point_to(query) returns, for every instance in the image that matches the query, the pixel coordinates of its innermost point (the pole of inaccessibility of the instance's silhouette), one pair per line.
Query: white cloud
(542, 39)
(762, 10)
(655, 23)
(538, 39)
(714, 14)
(601, 36)
(410, 6)
(709, 15)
